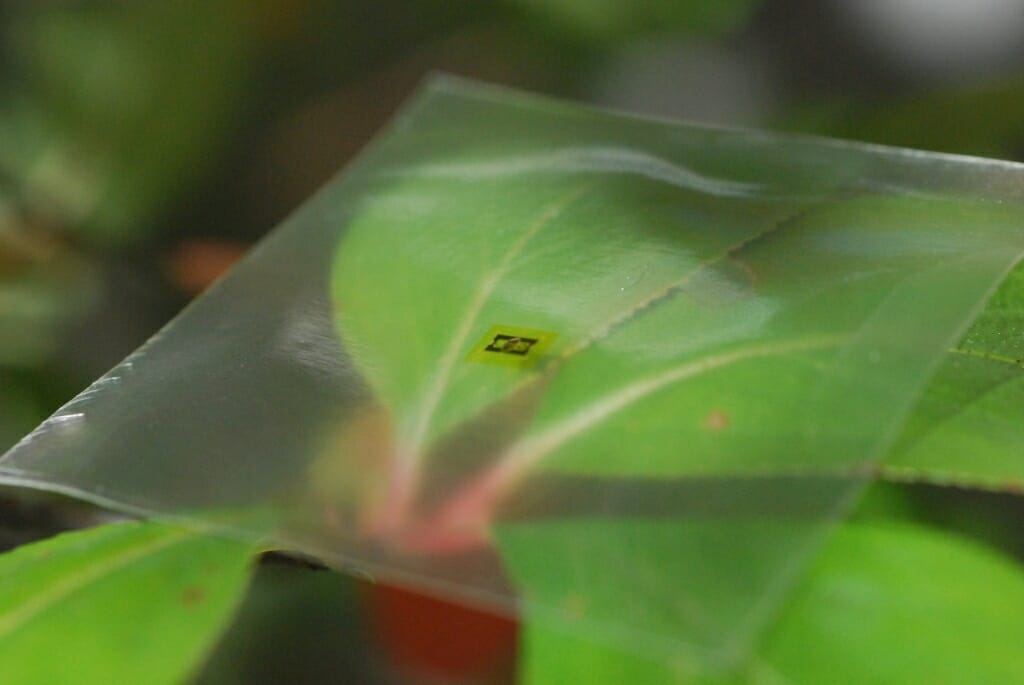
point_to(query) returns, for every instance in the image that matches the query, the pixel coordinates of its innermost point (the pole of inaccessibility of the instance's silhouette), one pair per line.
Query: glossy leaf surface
(132, 602)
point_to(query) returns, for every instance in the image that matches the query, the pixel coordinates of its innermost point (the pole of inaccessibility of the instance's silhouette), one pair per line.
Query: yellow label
(511, 346)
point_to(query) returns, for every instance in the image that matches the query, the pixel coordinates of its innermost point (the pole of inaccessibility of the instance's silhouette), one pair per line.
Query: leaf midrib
(447, 363)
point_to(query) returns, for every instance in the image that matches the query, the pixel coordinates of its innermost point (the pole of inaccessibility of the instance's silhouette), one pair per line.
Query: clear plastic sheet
(620, 373)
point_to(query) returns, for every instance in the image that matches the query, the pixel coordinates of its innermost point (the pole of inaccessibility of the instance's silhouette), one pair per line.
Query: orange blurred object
(195, 264)
(441, 641)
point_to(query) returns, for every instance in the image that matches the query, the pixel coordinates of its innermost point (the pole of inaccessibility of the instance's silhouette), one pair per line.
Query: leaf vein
(35, 605)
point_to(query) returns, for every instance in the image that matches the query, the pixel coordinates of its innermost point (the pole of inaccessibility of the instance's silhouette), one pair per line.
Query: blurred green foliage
(613, 20)
(121, 106)
(984, 120)
(112, 111)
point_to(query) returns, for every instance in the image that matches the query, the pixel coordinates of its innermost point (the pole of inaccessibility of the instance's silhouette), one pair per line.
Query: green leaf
(698, 590)
(595, 410)
(551, 655)
(897, 604)
(717, 297)
(968, 427)
(740, 328)
(883, 603)
(503, 257)
(132, 602)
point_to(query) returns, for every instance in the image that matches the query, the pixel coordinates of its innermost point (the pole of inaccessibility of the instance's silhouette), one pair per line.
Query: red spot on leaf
(716, 421)
(192, 595)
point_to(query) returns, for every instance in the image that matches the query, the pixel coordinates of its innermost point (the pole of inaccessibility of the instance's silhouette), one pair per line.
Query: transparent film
(619, 374)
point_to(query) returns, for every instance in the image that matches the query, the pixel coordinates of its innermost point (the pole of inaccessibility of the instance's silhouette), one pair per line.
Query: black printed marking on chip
(511, 344)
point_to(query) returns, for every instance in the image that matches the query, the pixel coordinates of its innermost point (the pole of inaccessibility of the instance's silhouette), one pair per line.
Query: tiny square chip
(511, 346)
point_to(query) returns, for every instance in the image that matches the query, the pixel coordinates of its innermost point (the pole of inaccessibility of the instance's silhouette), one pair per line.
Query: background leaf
(893, 603)
(883, 603)
(130, 602)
